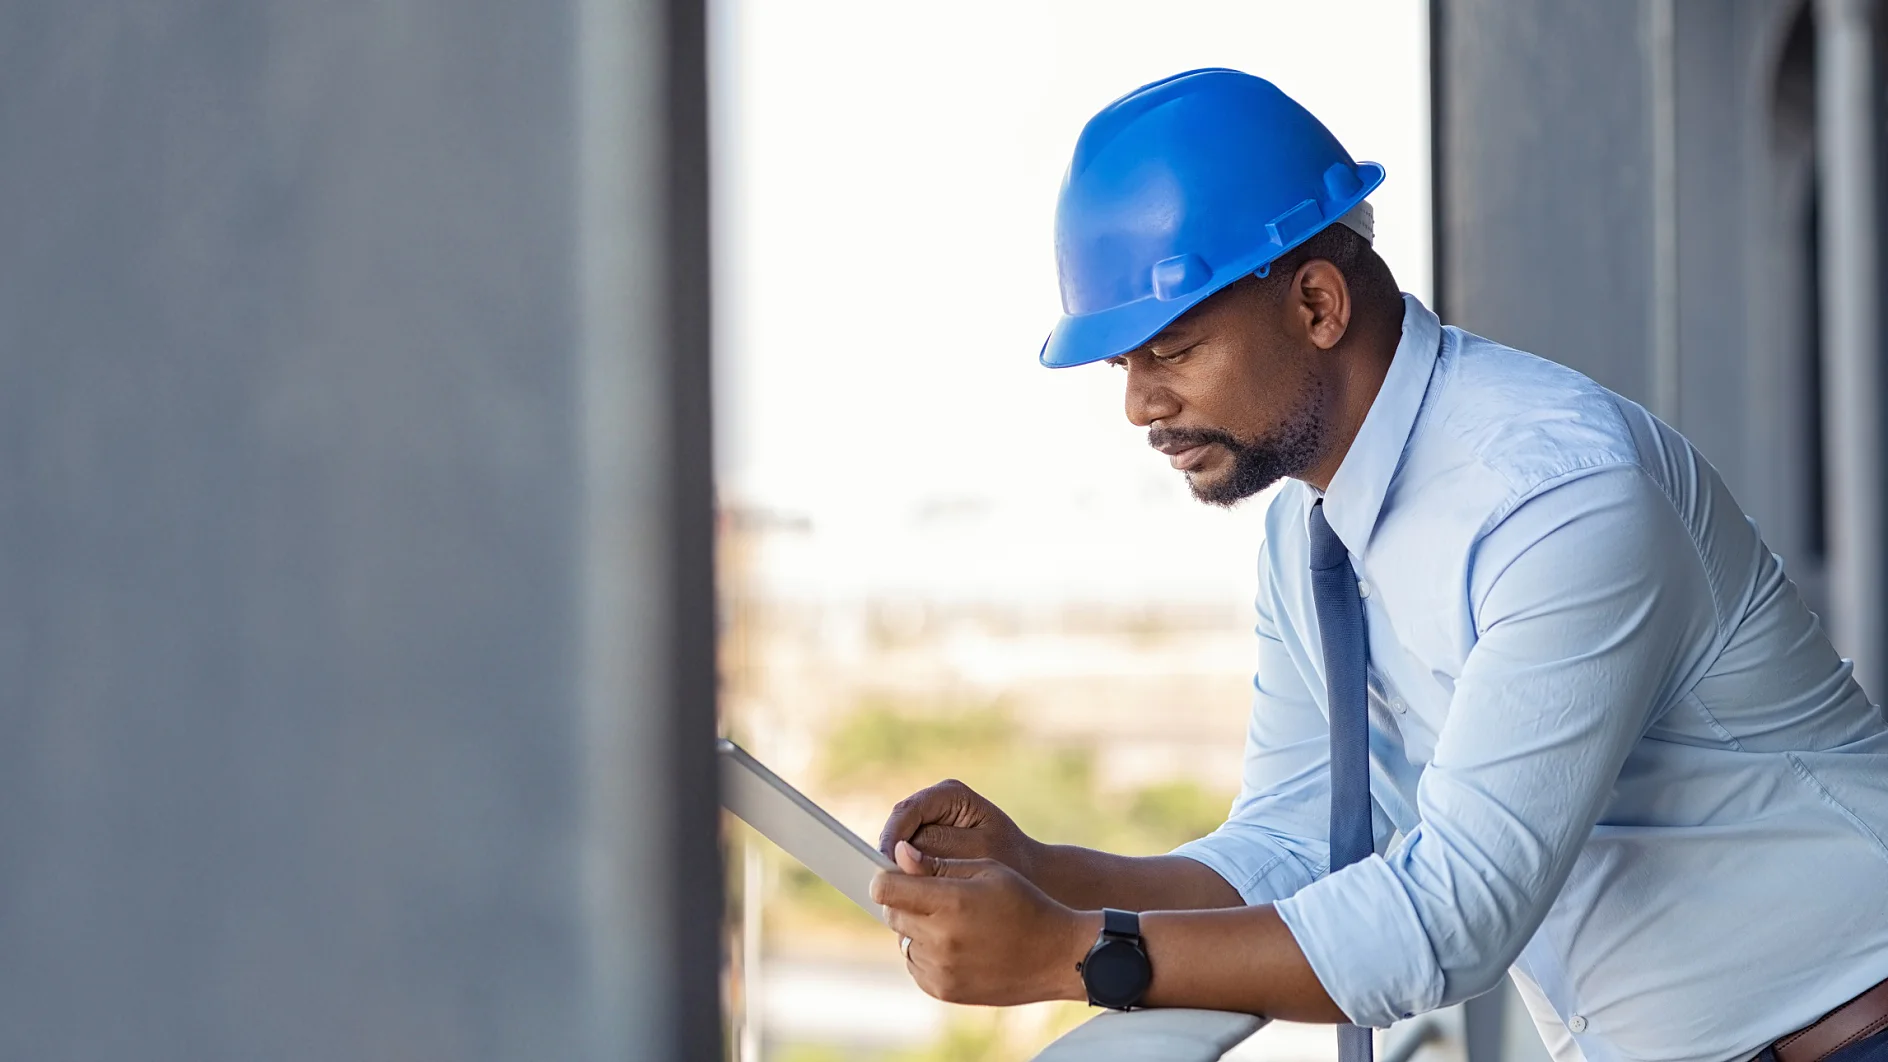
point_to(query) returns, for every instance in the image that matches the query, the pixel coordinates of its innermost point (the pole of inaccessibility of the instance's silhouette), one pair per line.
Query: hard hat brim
(1082, 339)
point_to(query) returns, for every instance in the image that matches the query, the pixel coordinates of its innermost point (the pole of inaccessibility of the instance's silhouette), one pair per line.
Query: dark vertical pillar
(355, 628)
(1544, 188)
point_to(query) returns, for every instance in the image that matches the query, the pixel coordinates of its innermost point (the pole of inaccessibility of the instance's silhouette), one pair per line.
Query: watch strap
(1123, 924)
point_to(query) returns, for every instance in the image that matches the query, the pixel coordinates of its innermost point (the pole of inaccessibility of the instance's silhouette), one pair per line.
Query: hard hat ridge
(1179, 188)
(1117, 116)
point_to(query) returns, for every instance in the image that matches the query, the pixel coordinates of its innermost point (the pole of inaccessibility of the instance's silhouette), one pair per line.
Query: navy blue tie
(1346, 659)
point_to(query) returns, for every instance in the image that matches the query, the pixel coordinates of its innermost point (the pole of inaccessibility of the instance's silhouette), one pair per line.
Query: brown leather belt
(1858, 1019)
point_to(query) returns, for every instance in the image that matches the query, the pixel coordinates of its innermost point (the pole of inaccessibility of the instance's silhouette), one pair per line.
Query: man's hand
(950, 821)
(981, 933)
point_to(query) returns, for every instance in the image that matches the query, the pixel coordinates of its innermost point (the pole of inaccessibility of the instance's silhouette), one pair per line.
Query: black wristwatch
(1116, 971)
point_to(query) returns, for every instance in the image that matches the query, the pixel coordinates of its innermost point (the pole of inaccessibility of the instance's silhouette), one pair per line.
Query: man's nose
(1148, 401)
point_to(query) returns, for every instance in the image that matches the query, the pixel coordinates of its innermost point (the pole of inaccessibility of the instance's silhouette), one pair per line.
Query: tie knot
(1327, 550)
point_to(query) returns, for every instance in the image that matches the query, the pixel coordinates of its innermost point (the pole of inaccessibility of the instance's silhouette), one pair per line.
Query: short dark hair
(1366, 274)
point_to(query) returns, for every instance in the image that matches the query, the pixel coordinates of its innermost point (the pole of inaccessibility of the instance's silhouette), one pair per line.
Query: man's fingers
(909, 858)
(958, 868)
(914, 813)
(939, 803)
(949, 841)
(904, 821)
(904, 922)
(905, 892)
(913, 860)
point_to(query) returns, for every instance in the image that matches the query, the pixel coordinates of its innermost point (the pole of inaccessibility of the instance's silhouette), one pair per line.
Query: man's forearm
(1243, 960)
(1208, 949)
(1088, 880)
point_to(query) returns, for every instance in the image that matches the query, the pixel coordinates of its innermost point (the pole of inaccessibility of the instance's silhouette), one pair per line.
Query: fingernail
(913, 849)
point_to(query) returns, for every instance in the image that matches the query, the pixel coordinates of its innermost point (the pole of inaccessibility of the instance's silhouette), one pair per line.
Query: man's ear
(1321, 302)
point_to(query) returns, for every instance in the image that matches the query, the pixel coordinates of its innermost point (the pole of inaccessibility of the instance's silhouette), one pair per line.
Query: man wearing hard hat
(1532, 696)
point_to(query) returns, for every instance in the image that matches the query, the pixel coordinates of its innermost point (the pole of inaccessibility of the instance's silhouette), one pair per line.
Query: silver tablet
(786, 817)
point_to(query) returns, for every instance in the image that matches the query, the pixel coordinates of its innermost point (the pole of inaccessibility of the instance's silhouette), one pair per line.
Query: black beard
(1287, 451)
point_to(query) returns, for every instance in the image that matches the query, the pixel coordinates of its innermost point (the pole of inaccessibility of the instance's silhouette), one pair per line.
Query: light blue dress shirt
(1618, 756)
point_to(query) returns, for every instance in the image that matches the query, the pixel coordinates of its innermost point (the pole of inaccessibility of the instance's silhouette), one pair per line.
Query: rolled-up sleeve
(1590, 600)
(1275, 840)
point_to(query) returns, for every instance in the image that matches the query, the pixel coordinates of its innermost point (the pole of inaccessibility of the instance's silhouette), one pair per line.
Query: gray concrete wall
(1548, 213)
(336, 719)
(1543, 194)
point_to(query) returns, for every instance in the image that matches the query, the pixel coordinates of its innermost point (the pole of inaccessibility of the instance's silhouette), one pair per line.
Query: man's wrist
(1033, 857)
(1063, 871)
(1085, 929)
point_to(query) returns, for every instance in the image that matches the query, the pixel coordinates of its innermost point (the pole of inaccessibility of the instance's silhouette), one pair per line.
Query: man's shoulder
(1517, 419)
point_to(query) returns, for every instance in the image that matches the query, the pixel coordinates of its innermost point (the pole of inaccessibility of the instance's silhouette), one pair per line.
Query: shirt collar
(1356, 493)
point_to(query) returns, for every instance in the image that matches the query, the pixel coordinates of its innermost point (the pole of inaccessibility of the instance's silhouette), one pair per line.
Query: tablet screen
(786, 817)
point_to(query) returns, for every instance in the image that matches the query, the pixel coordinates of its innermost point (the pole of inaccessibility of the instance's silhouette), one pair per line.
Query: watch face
(1116, 973)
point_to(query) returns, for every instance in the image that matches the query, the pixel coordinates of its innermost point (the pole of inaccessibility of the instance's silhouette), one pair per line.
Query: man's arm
(981, 933)
(1087, 880)
(1271, 845)
(1594, 611)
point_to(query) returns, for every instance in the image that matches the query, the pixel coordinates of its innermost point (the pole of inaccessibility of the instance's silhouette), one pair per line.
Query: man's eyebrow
(1167, 336)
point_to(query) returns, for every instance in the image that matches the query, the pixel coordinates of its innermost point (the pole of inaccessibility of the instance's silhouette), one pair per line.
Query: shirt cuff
(1360, 932)
(1259, 871)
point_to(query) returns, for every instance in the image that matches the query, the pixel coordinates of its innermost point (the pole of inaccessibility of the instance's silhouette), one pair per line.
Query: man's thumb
(912, 861)
(939, 867)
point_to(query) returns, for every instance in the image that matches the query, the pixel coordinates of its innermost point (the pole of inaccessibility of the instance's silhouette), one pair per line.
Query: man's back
(1571, 625)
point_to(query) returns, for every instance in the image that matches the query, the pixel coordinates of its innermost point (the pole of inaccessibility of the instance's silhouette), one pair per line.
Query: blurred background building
(357, 619)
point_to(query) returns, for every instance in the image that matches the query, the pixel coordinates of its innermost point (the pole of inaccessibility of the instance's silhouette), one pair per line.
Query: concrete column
(356, 631)
(1666, 379)
(1852, 343)
(1546, 194)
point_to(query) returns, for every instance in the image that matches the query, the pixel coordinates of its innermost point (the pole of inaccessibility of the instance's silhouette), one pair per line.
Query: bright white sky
(886, 180)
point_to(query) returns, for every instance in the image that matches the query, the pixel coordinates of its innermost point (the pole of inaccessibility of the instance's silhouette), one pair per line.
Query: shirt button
(1397, 705)
(1363, 588)
(1577, 1023)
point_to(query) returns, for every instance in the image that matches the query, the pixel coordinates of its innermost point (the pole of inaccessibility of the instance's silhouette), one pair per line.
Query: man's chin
(1222, 488)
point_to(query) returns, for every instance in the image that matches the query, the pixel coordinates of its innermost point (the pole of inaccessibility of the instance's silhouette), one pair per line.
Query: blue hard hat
(1176, 190)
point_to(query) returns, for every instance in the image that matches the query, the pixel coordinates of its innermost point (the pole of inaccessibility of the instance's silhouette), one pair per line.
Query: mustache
(1162, 438)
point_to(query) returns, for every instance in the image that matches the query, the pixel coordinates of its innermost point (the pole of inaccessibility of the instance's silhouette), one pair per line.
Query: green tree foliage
(890, 747)
(1179, 809)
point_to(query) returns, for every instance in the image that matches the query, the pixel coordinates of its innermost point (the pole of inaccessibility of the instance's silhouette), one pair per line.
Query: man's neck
(1360, 363)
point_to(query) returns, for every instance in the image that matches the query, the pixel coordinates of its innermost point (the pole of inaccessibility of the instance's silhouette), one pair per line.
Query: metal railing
(1200, 1036)
(1153, 1036)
